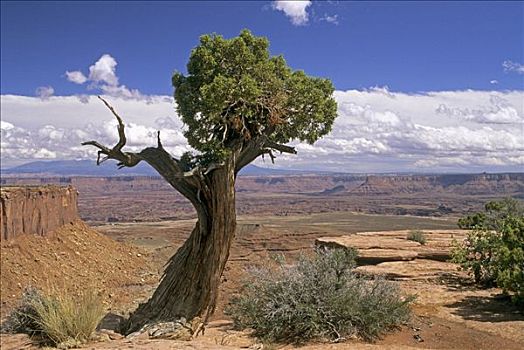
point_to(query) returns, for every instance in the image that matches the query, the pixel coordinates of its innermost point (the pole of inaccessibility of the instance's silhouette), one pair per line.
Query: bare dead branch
(158, 158)
(280, 147)
(159, 143)
(121, 134)
(271, 156)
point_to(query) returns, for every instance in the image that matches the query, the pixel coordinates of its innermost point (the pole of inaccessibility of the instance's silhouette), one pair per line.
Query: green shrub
(493, 252)
(319, 297)
(417, 236)
(60, 319)
(23, 318)
(493, 215)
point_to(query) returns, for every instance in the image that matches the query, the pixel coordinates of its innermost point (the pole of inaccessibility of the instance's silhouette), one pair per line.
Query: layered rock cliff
(464, 184)
(36, 210)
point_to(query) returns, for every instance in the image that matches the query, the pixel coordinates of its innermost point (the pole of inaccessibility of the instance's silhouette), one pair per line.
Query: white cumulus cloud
(295, 10)
(102, 76)
(498, 111)
(376, 130)
(104, 71)
(34, 129)
(76, 77)
(333, 19)
(44, 92)
(510, 66)
(5, 125)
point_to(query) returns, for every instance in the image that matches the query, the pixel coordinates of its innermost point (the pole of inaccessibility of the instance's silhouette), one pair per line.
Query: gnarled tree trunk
(189, 286)
(191, 279)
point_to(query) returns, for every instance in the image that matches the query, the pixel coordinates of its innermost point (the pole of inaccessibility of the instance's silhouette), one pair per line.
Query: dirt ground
(74, 257)
(450, 312)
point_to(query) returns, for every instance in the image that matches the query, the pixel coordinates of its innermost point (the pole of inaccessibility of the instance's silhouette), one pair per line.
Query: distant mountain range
(89, 168)
(66, 168)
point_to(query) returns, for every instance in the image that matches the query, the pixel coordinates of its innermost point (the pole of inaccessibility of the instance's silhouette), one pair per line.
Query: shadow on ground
(456, 282)
(487, 309)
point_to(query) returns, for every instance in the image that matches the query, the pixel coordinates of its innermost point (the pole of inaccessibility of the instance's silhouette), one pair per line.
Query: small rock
(112, 334)
(418, 338)
(101, 337)
(179, 330)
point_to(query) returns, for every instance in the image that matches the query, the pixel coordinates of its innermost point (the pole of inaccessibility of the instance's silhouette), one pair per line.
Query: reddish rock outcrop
(36, 210)
(468, 184)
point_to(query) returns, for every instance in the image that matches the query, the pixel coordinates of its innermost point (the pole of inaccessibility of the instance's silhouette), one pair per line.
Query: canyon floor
(125, 261)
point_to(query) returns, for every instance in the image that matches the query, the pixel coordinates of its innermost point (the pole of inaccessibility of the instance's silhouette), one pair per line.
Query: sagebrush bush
(59, 318)
(493, 252)
(417, 236)
(23, 318)
(319, 297)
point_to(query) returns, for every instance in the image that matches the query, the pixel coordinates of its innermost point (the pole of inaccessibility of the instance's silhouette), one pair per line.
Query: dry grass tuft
(57, 317)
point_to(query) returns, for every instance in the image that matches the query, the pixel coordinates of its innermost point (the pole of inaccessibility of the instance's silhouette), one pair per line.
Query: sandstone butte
(36, 210)
(44, 243)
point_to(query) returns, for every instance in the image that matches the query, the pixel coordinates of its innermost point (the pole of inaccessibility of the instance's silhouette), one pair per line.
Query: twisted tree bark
(189, 286)
(190, 283)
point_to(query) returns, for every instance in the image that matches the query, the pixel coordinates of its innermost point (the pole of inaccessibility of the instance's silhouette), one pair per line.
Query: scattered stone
(179, 330)
(111, 334)
(100, 337)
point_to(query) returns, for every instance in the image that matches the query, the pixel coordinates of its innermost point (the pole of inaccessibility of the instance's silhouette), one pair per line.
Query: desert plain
(128, 228)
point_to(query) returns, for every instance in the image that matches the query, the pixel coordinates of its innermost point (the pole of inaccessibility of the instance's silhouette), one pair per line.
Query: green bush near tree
(493, 251)
(320, 297)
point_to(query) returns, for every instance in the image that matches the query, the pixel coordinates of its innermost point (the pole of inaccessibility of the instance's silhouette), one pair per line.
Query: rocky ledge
(392, 254)
(35, 209)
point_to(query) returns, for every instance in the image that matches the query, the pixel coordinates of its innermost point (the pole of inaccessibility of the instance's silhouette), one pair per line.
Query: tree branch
(270, 153)
(260, 146)
(167, 166)
(125, 159)
(121, 134)
(280, 147)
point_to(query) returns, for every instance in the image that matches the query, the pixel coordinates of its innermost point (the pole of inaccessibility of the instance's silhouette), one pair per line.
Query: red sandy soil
(73, 257)
(450, 312)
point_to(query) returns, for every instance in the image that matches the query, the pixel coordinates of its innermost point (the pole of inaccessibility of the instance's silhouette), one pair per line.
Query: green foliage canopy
(236, 92)
(493, 215)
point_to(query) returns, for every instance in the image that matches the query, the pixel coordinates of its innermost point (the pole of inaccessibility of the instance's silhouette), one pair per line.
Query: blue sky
(408, 46)
(421, 86)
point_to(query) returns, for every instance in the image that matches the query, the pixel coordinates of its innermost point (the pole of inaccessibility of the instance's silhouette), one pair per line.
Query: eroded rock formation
(464, 184)
(393, 255)
(36, 210)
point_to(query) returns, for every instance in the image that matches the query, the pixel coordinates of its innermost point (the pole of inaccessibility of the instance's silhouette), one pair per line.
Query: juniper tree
(238, 103)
